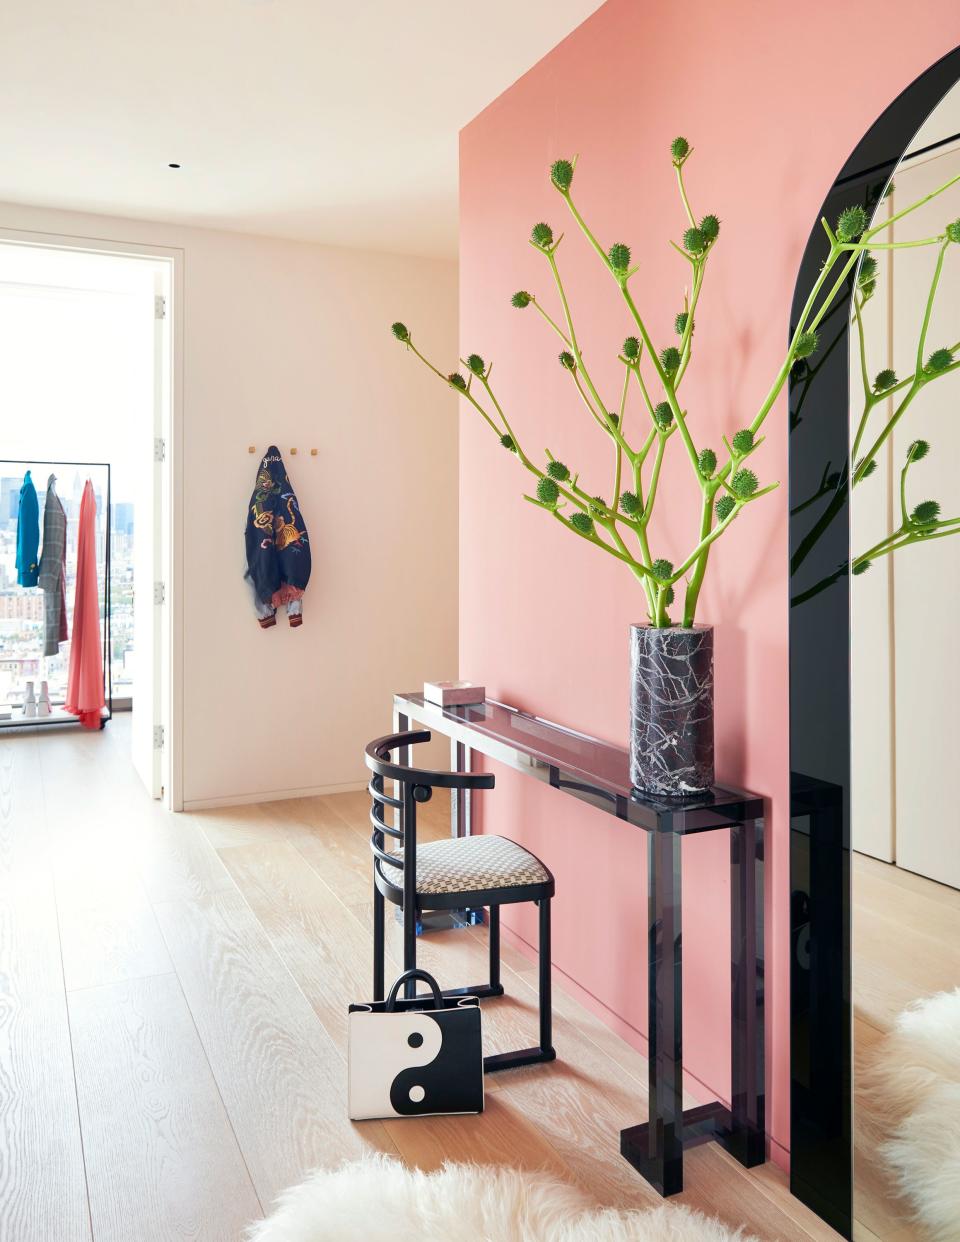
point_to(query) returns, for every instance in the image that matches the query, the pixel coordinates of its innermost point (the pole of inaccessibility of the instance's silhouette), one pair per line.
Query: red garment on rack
(85, 678)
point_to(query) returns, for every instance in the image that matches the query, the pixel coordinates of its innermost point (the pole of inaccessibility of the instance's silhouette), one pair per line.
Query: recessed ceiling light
(173, 165)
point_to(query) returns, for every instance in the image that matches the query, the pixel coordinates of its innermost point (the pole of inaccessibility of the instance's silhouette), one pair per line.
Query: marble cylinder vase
(671, 710)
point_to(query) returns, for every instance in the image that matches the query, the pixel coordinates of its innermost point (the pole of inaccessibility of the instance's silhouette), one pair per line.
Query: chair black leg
(410, 948)
(379, 932)
(545, 1050)
(494, 947)
(546, 986)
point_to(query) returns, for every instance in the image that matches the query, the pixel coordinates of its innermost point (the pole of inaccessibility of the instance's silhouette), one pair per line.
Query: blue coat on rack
(28, 534)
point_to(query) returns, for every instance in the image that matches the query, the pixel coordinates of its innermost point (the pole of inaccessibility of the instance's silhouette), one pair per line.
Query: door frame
(171, 661)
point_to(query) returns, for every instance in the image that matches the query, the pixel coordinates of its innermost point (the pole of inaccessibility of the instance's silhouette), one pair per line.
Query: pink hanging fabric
(85, 679)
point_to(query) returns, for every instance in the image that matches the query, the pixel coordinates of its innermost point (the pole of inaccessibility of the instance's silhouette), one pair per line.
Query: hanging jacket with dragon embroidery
(278, 551)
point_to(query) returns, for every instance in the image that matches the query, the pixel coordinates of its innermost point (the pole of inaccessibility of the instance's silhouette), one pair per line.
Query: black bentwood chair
(450, 875)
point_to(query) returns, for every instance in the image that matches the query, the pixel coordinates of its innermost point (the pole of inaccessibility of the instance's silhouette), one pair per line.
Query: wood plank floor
(906, 945)
(173, 995)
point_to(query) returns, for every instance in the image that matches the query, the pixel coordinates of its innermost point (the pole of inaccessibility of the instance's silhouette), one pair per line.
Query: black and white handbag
(416, 1057)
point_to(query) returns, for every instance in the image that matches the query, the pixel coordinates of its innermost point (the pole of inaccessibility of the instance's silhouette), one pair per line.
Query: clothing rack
(61, 717)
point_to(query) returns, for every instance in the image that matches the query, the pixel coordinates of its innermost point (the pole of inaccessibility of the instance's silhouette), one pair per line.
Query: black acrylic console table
(597, 773)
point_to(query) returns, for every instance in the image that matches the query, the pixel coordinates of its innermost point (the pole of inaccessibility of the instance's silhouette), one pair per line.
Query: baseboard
(629, 1034)
(271, 795)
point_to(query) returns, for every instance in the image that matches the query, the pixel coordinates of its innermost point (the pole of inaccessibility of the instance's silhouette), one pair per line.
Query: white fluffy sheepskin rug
(380, 1200)
(911, 1093)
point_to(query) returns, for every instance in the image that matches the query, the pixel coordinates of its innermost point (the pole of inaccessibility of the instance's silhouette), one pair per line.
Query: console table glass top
(595, 771)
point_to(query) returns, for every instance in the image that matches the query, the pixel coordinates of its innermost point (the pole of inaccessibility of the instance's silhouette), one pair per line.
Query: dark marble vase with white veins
(671, 710)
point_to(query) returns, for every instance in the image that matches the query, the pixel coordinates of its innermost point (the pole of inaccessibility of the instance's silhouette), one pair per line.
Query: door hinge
(158, 737)
(159, 593)
(159, 449)
(159, 306)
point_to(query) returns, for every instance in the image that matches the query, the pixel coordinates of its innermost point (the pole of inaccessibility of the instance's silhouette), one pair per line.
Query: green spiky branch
(921, 522)
(726, 482)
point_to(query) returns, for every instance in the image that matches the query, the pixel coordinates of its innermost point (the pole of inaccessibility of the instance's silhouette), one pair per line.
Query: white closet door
(926, 578)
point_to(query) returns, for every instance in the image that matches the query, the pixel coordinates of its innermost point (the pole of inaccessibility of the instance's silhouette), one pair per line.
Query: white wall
(290, 343)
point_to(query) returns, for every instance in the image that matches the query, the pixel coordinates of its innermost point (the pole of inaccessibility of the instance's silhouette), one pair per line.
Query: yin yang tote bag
(415, 1057)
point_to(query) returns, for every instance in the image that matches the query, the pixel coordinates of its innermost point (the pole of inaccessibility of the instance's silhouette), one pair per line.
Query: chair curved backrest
(379, 749)
(415, 785)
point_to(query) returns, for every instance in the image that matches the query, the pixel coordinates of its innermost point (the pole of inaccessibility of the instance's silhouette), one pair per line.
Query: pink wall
(773, 97)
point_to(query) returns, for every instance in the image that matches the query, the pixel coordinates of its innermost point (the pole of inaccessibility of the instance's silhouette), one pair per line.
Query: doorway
(87, 392)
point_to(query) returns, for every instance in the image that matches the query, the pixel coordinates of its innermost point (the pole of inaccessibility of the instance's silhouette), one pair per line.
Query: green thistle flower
(868, 270)
(707, 462)
(744, 483)
(663, 415)
(670, 359)
(680, 323)
(868, 469)
(953, 231)
(679, 149)
(598, 507)
(743, 442)
(710, 228)
(400, 331)
(630, 504)
(521, 299)
(567, 360)
(582, 522)
(619, 256)
(508, 444)
(661, 569)
(669, 596)
(557, 470)
(885, 379)
(851, 223)
(561, 174)
(631, 348)
(806, 345)
(694, 241)
(547, 491)
(926, 513)
(541, 235)
(938, 361)
(724, 507)
(861, 567)
(457, 380)
(868, 290)
(476, 364)
(918, 450)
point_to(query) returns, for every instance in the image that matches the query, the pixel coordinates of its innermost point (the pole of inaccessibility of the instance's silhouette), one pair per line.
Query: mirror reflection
(905, 687)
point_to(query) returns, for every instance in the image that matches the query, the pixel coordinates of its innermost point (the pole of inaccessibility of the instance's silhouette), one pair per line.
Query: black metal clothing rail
(29, 722)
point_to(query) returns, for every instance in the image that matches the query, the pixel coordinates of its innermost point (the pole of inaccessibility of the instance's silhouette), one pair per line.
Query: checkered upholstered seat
(471, 864)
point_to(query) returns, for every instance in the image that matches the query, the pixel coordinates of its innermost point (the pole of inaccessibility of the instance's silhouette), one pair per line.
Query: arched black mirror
(875, 576)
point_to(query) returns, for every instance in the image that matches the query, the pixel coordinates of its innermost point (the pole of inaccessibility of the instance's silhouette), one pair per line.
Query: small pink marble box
(453, 693)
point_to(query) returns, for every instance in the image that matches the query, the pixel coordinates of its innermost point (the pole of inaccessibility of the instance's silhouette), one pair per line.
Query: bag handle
(414, 974)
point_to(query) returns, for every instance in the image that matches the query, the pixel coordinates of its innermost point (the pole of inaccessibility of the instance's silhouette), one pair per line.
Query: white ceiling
(334, 122)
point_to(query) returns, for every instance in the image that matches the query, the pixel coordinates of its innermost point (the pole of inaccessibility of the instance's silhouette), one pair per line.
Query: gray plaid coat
(52, 571)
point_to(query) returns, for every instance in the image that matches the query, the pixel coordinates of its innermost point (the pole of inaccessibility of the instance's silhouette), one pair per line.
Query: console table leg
(460, 806)
(746, 1139)
(656, 1149)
